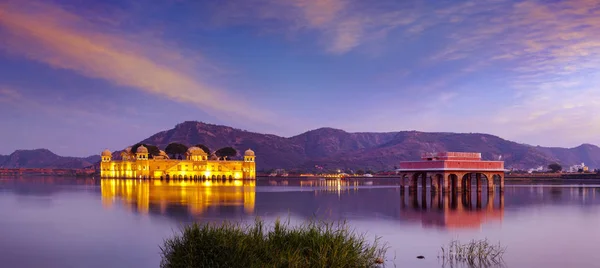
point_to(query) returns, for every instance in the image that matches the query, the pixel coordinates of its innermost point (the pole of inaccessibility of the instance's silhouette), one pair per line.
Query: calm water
(56, 222)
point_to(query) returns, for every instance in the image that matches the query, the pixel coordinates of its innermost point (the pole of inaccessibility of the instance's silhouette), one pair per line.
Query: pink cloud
(9, 95)
(49, 34)
(342, 25)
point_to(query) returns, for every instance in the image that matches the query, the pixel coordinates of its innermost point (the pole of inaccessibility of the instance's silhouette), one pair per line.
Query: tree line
(177, 150)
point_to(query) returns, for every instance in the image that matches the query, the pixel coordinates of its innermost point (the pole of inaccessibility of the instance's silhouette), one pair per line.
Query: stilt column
(445, 183)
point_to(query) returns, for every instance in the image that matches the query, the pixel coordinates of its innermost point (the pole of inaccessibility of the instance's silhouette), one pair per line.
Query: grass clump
(476, 253)
(313, 244)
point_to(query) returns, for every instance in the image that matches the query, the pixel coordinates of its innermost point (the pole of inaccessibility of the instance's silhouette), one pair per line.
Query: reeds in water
(313, 244)
(476, 253)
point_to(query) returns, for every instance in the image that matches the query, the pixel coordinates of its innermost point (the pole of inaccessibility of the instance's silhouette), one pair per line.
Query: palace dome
(196, 150)
(142, 150)
(249, 153)
(106, 153)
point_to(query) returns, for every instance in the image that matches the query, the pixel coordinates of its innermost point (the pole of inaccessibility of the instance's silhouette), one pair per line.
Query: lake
(66, 222)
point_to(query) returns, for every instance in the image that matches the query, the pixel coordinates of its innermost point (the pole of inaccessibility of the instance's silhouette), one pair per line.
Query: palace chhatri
(197, 165)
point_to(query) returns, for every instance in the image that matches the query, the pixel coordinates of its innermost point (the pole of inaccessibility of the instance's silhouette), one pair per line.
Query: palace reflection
(453, 211)
(196, 196)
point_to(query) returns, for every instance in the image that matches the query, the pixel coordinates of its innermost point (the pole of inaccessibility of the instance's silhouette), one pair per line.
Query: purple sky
(78, 76)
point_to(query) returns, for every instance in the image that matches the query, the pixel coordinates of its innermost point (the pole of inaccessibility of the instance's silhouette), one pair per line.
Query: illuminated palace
(197, 165)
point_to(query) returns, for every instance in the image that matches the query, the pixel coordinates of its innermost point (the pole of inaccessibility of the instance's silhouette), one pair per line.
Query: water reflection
(196, 197)
(452, 211)
(335, 199)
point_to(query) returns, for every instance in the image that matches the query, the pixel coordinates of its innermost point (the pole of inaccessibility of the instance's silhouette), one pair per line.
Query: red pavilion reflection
(453, 211)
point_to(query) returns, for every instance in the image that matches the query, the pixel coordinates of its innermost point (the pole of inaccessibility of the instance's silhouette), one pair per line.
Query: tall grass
(476, 253)
(313, 244)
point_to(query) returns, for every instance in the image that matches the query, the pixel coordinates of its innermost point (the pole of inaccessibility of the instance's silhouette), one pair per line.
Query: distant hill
(43, 158)
(334, 148)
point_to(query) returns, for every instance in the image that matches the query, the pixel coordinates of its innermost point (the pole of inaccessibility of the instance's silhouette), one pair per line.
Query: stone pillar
(435, 200)
(459, 188)
(402, 201)
(490, 200)
(412, 195)
(468, 199)
(459, 202)
(402, 183)
(490, 182)
(445, 183)
(424, 199)
(468, 182)
(501, 197)
(478, 182)
(501, 182)
(412, 184)
(423, 182)
(446, 201)
(478, 206)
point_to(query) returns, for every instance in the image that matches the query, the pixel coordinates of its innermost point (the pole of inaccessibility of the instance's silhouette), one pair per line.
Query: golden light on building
(196, 166)
(196, 196)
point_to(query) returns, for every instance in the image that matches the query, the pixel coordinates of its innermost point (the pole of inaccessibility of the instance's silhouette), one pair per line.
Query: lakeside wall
(55, 172)
(552, 176)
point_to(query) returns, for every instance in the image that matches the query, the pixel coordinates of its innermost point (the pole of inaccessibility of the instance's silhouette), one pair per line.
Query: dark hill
(333, 148)
(340, 149)
(43, 158)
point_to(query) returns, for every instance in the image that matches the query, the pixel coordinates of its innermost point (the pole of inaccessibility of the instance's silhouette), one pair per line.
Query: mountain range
(337, 149)
(44, 158)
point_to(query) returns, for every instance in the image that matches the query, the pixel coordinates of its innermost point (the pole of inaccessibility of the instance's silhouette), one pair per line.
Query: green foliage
(476, 253)
(555, 167)
(226, 152)
(152, 150)
(314, 244)
(176, 149)
(204, 148)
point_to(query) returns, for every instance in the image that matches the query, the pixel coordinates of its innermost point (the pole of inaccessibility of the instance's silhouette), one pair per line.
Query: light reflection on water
(56, 222)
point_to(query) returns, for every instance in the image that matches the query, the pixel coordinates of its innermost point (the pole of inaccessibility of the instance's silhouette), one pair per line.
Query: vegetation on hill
(152, 150)
(204, 148)
(176, 150)
(314, 244)
(226, 152)
(555, 167)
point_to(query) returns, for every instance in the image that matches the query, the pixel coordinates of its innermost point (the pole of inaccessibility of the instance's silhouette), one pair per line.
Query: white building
(576, 168)
(538, 169)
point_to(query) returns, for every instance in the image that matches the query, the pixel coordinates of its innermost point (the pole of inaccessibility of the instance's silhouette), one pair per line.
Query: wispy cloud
(536, 61)
(342, 25)
(8, 94)
(49, 34)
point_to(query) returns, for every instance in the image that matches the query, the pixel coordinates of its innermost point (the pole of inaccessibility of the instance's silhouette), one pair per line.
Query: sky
(79, 76)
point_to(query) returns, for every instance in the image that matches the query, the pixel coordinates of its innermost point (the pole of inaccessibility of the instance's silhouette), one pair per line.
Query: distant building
(197, 165)
(279, 173)
(577, 168)
(538, 169)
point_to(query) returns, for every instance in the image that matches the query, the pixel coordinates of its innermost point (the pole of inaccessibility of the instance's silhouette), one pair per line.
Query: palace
(197, 165)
